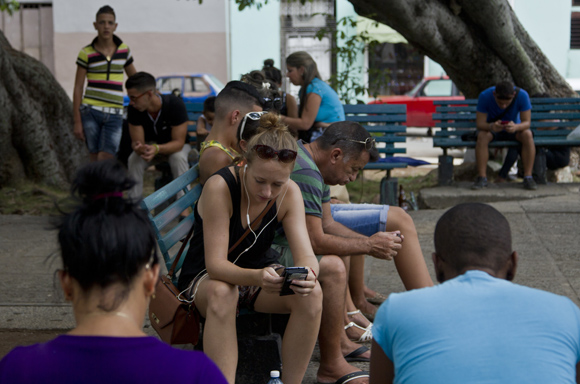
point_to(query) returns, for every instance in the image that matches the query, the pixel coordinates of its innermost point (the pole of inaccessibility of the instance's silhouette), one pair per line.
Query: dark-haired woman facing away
(220, 282)
(110, 269)
(289, 106)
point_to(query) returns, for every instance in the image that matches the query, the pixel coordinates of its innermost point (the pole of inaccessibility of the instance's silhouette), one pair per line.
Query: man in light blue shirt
(476, 326)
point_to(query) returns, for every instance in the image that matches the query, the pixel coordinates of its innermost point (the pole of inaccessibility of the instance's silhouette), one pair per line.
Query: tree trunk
(36, 123)
(478, 43)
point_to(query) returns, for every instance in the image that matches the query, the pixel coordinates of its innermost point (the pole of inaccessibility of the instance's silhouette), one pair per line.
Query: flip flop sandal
(350, 377)
(356, 355)
(377, 299)
(352, 313)
(366, 336)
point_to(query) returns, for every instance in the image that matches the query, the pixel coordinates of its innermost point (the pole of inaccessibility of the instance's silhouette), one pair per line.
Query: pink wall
(154, 52)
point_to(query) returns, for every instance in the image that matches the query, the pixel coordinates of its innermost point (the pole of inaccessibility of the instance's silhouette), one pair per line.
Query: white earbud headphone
(248, 195)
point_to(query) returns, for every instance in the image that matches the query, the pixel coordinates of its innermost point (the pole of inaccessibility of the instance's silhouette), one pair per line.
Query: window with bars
(575, 31)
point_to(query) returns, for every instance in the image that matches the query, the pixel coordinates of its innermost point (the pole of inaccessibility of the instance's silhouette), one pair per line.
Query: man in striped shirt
(98, 116)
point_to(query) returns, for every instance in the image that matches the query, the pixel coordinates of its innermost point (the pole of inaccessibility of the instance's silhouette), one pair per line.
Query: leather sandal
(366, 336)
(377, 299)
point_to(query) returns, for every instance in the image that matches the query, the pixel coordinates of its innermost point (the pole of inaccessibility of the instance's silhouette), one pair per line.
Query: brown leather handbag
(174, 317)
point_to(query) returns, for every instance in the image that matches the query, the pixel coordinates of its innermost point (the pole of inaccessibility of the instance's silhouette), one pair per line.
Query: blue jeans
(366, 219)
(102, 130)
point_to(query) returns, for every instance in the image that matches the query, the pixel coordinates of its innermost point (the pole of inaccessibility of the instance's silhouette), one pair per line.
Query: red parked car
(419, 100)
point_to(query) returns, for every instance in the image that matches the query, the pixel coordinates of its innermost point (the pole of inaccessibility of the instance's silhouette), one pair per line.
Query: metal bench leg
(540, 170)
(389, 191)
(445, 175)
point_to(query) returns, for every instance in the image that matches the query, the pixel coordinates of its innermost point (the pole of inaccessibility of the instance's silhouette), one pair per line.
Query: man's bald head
(473, 236)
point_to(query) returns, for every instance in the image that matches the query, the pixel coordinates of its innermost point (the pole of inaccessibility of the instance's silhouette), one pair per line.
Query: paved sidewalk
(545, 228)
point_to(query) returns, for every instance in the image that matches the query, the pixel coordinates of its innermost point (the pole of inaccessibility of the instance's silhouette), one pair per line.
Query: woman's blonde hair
(273, 133)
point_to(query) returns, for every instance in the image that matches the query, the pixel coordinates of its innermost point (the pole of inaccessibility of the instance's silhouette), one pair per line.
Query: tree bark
(478, 43)
(36, 123)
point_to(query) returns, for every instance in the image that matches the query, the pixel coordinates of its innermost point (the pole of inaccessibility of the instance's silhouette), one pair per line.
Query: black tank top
(257, 257)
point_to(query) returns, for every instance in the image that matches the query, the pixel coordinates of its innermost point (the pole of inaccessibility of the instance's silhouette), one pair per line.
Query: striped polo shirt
(314, 192)
(105, 77)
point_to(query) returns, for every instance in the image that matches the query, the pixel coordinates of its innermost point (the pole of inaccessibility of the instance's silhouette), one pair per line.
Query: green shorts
(286, 258)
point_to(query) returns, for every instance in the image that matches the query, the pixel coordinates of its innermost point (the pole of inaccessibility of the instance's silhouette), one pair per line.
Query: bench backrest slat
(167, 239)
(387, 124)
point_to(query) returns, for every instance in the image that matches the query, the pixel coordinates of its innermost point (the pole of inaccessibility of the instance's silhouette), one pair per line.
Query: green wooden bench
(458, 117)
(386, 122)
(169, 235)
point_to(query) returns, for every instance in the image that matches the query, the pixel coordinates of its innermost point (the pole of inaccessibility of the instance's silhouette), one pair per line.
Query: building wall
(255, 37)
(173, 36)
(548, 24)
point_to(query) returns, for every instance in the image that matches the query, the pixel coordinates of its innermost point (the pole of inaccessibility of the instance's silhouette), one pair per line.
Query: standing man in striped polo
(98, 116)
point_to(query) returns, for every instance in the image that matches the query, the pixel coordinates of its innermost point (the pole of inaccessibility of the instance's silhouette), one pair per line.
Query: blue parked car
(192, 87)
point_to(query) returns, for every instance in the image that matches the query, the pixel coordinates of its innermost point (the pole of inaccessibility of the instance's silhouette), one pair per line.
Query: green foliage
(9, 6)
(347, 82)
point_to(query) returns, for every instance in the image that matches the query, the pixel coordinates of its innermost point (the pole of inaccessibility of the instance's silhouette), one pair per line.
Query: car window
(168, 84)
(217, 84)
(188, 85)
(414, 91)
(199, 85)
(438, 88)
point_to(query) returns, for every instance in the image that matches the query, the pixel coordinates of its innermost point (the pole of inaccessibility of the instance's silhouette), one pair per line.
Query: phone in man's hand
(292, 273)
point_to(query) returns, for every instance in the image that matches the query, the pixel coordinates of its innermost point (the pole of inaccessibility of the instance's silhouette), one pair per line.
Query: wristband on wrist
(314, 273)
(156, 148)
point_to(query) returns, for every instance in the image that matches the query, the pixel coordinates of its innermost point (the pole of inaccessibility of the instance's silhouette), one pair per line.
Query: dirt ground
(11, 338)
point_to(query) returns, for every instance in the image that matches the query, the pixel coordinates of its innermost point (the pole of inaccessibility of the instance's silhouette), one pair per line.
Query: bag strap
(256, 220)
(183, 245)
(509, 106)
(186, 239)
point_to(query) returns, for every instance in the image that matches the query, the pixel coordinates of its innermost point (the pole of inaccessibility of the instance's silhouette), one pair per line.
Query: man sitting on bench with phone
(504, 112)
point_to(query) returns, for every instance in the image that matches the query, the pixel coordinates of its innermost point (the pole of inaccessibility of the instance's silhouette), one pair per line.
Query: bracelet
(156, 148)
(314, 273)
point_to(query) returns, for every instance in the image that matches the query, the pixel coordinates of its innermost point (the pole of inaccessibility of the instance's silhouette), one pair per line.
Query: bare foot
(327, 374)
(369, 292)
(367, 308)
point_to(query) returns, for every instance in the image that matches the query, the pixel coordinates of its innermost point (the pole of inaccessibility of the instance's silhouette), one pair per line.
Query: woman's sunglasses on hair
(266, 152)
(369, 142)
(252, 115)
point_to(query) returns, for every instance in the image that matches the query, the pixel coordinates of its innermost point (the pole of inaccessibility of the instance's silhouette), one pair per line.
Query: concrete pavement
(545, 226)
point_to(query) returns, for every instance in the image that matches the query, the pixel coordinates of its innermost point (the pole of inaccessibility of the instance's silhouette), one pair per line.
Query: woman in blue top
(319, 103)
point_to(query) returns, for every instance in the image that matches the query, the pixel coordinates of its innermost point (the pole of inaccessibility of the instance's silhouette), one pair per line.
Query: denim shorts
(102, 130)
(366, 219)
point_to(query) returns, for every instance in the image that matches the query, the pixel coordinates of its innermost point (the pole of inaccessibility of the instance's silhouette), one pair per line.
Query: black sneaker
(480, 182)
(530, 184)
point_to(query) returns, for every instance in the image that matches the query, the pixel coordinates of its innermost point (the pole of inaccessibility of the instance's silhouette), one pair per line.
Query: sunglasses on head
(369, 142)
(266, 152)
(252, 115)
